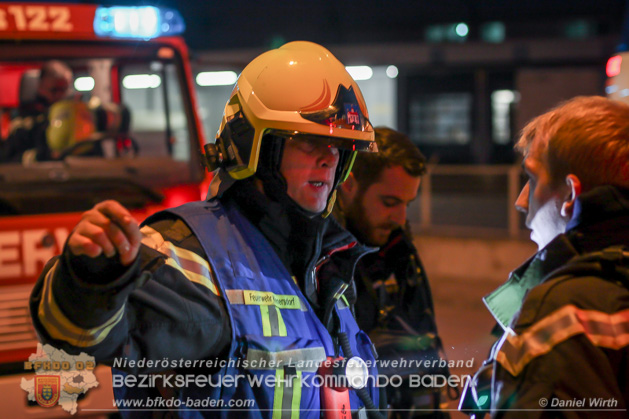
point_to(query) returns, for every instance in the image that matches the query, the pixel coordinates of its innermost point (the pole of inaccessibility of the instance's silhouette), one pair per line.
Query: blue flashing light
(143, 22)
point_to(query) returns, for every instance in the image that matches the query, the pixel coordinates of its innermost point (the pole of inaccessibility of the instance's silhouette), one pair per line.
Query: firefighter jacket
(394, 305)
(565, 313)
(208, 286)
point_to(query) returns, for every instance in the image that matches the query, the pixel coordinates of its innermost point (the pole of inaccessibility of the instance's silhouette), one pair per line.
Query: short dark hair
(394, 149)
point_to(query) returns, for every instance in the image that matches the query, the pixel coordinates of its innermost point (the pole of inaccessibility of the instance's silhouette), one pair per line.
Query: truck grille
(16, 329)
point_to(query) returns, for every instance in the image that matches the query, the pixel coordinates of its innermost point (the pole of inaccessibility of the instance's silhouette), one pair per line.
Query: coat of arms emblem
(47, 388)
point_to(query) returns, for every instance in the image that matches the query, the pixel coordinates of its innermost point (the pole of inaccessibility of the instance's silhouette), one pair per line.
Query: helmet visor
(340, 143)
(345, 112)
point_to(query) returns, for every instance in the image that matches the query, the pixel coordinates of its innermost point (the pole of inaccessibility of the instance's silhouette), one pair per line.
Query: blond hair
(587, 136)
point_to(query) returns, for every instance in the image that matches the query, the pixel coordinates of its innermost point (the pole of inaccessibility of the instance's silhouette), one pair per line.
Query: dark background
(253, 24)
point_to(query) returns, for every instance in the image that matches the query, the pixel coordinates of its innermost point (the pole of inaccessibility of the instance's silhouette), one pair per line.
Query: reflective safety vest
(278, 342)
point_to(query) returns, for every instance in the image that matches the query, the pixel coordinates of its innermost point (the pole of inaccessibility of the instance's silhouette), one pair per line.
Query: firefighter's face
(55, 88)
(375, 211)
(541, 200)
(309, 170)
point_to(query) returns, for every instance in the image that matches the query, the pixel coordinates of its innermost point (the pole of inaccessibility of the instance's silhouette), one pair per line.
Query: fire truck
(132, 106)
(617, 68)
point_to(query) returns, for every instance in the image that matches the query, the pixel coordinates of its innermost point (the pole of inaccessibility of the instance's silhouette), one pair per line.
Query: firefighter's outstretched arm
(121, 292)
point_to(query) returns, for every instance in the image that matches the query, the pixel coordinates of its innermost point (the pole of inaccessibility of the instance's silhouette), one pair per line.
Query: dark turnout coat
(565, 352)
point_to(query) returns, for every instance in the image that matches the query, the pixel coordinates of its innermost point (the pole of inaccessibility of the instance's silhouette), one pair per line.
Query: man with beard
(252, 287)
(394, 300)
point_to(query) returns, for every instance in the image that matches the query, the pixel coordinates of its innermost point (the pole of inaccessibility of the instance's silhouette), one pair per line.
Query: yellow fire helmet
(71, 122)
(299, 90)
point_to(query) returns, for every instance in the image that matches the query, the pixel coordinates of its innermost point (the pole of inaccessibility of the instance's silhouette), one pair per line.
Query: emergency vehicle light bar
(143, 22)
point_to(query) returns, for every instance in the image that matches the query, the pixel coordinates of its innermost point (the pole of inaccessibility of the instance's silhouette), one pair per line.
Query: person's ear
(574, 190)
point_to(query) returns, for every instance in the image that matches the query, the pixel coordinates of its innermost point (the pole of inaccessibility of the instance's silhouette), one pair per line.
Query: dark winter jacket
(565, 312)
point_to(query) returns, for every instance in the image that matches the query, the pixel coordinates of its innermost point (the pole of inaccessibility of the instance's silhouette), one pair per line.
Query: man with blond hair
(565, 312)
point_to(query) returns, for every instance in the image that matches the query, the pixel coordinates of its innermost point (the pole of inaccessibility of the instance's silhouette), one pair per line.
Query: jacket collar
(505, 301)
(599, 204)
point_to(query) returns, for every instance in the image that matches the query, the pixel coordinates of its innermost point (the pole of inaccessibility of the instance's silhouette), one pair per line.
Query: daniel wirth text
(586, 403)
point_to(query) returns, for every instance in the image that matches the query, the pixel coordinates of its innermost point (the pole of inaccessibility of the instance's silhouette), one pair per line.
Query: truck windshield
(126, 118)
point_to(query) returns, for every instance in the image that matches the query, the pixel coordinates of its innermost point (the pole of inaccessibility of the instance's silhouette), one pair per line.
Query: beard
(359, 224)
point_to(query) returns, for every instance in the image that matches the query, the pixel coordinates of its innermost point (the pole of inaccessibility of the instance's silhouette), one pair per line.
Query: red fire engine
(133, 101)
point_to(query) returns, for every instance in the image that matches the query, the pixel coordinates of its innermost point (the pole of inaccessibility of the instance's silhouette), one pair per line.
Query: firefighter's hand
(107, 228)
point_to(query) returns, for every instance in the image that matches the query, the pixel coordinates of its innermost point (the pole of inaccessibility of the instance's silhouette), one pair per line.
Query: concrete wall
(472, 259)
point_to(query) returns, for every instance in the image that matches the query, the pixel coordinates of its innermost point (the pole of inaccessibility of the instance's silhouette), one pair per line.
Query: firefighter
(27, 137)
(394, 300)
(255, 275)
(565, 312)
